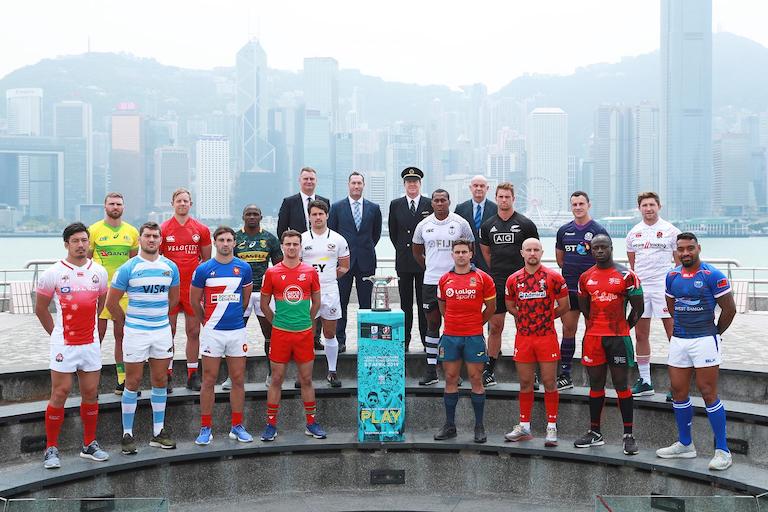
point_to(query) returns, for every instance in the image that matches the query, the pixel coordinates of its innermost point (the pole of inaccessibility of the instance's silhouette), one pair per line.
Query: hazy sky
(412, 41)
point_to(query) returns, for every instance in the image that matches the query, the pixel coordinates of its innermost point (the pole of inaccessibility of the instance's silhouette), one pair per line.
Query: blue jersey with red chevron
(695, 297)
(222, 285)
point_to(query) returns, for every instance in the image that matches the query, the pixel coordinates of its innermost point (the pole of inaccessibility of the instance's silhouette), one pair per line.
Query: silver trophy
(380, 294)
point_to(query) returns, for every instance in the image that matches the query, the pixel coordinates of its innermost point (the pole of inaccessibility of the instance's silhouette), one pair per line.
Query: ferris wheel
(541, 201)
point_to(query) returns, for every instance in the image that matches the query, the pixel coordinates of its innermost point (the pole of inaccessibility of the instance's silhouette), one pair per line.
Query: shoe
(127, 446)
(489, 379)
(591, 438)
(630, 445)
(519, 433)
(94, 452)
(430, 376)
(193, 382)
(268, 380)
(677, 450)
(721, 461)
(536, 383)
(642, 388)
(162, 440)
(238, 432)
(169, 384)
(446, 432)
(227, 384)
(119, 388)
(51, 458)
(342, 348)
(460, 381)
(318, 346)
(550, 440)
(315, 430)
(297, 384)
(480, 436)
(564, 382)
(269, 434)
(669, 396)
(333, 380)
(205, 436)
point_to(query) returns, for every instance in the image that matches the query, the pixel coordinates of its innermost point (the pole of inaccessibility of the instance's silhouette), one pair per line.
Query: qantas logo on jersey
(155, 288)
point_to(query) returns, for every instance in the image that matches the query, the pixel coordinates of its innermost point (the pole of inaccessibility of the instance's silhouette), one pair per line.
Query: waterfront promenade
(24, 344)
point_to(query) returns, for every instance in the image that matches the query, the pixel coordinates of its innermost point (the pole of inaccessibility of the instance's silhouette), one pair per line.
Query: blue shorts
(470, 349)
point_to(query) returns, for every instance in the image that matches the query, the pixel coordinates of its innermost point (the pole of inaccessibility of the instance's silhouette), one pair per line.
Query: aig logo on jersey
(503, 238)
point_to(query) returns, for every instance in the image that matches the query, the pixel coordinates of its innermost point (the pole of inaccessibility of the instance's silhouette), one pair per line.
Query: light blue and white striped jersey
(147, 284)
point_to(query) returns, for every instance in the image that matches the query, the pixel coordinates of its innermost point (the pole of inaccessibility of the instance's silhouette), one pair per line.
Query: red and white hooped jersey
(75, 292)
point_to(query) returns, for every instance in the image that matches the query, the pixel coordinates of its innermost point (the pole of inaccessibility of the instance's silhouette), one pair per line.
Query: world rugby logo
(293, 294)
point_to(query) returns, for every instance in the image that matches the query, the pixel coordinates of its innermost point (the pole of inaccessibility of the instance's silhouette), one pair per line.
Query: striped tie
(478, 218)
(356, 215)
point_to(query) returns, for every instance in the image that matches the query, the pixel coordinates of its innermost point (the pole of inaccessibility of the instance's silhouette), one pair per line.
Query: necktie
(356, 215)
(478, 218)
(413, 207)
(306, 213)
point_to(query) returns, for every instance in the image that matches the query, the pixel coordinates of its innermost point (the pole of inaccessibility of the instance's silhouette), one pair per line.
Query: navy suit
(465, 210)
(362, 254)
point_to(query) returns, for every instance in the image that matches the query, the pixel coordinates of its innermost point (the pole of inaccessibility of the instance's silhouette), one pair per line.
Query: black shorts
(574, 298)
(501, 306)
(429, 297)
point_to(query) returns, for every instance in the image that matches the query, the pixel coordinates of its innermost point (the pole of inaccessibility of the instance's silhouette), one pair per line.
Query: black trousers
(364, 290)
(406, 284)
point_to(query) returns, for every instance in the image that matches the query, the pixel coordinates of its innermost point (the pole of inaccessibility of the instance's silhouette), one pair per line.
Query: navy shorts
(470, 349)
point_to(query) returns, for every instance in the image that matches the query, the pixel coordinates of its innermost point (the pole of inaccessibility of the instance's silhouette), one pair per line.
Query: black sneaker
(169, 384)
(430, 376)
(193, 382)
(564, 382)
(342, 348)
(119, 388)
(446, 432)
(591, 438)
(333, 380)
(489, 379)
(127, 445)
(480, 436)
(162, 440)
(536, 383)
(630, 445)
(318, 346)
(296, 384)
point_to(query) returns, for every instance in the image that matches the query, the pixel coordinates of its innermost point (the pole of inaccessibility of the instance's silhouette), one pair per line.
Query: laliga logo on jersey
(293, 294)
(195, 238)
(449, 292)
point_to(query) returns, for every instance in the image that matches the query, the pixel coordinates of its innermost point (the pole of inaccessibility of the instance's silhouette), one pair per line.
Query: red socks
(237, 418)
(272, 414)
(551, 403)
(526, 406)
(89, 415)
(54, 418)
(206, 420)
(310, 409)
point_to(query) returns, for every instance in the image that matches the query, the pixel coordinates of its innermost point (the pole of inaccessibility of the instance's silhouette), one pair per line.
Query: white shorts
(138, 345)
(254, 305)
(695, 352)
(219, 343)
(330, 304)
(73, 358)
(655, 303)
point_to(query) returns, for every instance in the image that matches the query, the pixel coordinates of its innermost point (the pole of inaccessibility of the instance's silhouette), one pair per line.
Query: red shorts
(184, 304)
(536, 349)
(296, 346)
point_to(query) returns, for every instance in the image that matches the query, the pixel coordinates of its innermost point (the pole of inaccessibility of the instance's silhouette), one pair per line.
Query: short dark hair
(687, 235)
(117, 195)
(289, 233)
(251, 206)
(648, 195)
(441, 191)
(603, 235)
(223, 229)
(463, 241)
(582, 194)
(153, 226)
(75, 227)
(355, 173)
(317, 204)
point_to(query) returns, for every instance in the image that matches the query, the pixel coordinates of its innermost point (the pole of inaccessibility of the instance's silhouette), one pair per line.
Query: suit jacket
(362, 242)
(292, 216)
(402, 223)
(465, 210)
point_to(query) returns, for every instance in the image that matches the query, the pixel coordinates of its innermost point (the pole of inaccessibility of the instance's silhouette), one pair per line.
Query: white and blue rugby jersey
(222, 285)
(695, 299)
(147, 284)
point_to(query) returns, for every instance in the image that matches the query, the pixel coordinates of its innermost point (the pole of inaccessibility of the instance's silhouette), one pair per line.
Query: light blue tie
(478, 218)
(356, 215)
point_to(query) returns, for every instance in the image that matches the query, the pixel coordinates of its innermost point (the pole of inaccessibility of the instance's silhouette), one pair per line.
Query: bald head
(532, 252)
(478, 185)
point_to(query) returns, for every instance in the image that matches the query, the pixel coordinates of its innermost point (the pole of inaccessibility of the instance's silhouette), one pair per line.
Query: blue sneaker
(315, 430)
(205, 436)
(270, 433)
(238, 432)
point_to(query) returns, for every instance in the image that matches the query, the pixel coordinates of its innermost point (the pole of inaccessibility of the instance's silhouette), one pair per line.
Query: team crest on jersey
(698, 283)
(236, 271)
(170, 238)
(472, 281)
(126, 238)
(588, 236)
(65, 278)
(614, 280)
(59, 357)
(166, 273)
(638, 235)
(451, 230)
(302, 277)
(331, 247)
(659, 234)
(263, 244)
(543, 283)
(95, 279)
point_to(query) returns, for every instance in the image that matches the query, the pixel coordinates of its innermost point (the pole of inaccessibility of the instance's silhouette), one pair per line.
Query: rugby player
(187, 243)
(651, 252)
(112, 243)
(535, 296)
(295, 287)
(467, 299)
(328, 253)
(431, 248)
(501, 242)
(77, 286)
(693, 289)
(151, 282)
(221, 291)
(574, 255)
(604, 291)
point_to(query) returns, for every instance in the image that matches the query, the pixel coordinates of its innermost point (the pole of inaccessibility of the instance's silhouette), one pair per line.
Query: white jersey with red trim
(653, 246)
(75, 292)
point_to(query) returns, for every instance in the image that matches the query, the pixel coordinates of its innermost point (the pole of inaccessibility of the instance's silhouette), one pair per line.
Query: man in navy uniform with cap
(404, 214)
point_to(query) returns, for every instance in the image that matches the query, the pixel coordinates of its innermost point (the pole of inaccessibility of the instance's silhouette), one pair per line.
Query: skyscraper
(126, 159)
(615, 181)
(213, 177)
(686, 107)
(321, 87)
(24, 109)
(171, 172)
(73, 119)
(342, 163)
(732, 185)
(547, 159)
(252, 109)
(645, 146)
(318, 150)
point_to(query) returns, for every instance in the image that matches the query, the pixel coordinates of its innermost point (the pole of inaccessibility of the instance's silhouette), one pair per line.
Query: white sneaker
(519, 433)
(227, 384)
(721, 461)
(268, 380)
(551, 439)
(677, 450)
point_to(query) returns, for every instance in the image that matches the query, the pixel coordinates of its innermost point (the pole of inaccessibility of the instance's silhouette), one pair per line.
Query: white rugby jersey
(653, 247)
(323, 253)
(436, 236)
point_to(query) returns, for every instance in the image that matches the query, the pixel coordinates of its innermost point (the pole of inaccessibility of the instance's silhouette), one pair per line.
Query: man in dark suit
(293, 212)
(404, 214)
(358, 220)
(476, 211)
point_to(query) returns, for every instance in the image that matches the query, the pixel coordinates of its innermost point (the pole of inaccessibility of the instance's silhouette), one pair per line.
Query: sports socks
(644, 367)
(272, 410)
(237, 418)
(684, 419)
(191, 368)
(551, 404)
(567, 349)
(625, 406)
(206, 420)
(596, 402)
(54, 418)
(431, 343)
(310, 409)
(89, 416)
(120, 368)
(450, 400)
(478, 405)
(128, 407)
(526, 406)
(716, 415)
(158, 399)
(331, 352)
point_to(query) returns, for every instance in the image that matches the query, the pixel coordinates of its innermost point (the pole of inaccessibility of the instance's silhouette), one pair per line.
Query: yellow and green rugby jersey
(111, 246)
